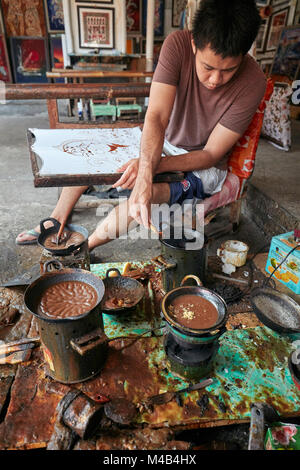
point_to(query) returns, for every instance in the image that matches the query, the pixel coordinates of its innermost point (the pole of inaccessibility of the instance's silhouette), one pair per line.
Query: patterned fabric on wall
(24, 18)
(277, 123)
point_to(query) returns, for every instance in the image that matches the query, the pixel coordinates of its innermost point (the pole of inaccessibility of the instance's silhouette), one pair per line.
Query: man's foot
(28, 237)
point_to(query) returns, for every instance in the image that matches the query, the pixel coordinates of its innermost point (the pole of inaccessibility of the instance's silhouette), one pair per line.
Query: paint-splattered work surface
(84, 151)
(251, 365)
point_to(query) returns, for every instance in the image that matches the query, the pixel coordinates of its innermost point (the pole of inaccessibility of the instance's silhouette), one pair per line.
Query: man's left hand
(130, 171)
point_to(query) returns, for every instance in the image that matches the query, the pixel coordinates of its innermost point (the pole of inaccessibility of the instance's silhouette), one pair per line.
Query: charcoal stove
(76, 256)
(191, 362)
(190, 353)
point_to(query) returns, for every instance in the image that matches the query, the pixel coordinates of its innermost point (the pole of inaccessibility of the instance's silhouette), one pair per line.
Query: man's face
(212, 70)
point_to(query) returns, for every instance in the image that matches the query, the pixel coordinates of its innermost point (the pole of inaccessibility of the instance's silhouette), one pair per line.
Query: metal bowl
(121, 287)
(200, 291)
(276, 310)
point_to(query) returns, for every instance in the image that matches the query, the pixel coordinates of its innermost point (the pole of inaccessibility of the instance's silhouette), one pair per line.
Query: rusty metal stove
(78, 259)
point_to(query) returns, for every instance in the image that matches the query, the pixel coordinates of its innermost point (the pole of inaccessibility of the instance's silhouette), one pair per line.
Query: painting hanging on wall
(5, 72)
(263, 3)
(265, 65)
(55, 16)
(24, 18)
(178, 7)
(96, 27)
(262, 34)
(94, 1)
(133, 16)
(287, 57)
(56, 48)
(277, 23)
(159, 17)
(30, 60)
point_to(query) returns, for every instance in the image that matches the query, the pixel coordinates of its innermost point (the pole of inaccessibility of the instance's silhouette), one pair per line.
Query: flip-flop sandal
(32, 233)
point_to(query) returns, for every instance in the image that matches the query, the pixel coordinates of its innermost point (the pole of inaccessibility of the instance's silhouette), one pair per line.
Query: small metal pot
(179, 258)
(121, 287)
(74, 348)
(185, 335)
(45, 232)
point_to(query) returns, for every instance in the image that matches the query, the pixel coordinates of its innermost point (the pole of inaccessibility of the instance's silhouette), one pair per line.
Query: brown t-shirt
(196, 109)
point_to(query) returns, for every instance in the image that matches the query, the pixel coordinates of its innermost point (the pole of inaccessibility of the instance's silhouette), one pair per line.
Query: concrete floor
(22, 206)
(277, 173)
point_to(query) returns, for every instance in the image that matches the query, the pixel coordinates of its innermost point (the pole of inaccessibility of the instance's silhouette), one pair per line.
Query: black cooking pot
(185, 335)
(45, 232)
(121, 288)
(75, 347)
(180, 256)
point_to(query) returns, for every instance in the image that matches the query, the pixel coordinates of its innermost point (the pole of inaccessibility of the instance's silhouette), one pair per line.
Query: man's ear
(193, 46)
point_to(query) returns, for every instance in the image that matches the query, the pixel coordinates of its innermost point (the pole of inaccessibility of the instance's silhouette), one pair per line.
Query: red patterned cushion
(241, 160)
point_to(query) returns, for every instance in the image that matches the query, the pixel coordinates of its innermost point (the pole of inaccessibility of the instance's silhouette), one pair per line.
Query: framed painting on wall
(24, 18)
(277, 23)
(178, 6)
(276, 3)
(287, 58)
(94, 1)
(265, 65)
(159, 17)
(30, 59)
(262, 34)
(263, 3)
(5, 71)
(96, 27)
(133, 16)
(56, 48)
(55, 16)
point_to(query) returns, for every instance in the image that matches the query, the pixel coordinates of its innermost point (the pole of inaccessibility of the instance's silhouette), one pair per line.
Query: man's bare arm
(219, 143)
(161, 102)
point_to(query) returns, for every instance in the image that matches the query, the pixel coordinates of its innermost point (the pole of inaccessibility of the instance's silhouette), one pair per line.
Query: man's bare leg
(67, 200)
(118, 220)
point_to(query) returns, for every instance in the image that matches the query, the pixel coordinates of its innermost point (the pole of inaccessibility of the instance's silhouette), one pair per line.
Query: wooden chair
(240, 168)
(128, 108)
(102, 108)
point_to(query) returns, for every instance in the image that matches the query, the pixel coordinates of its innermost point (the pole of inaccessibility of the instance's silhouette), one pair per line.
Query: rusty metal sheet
(146, 315)
(31, 413)
(251, 365)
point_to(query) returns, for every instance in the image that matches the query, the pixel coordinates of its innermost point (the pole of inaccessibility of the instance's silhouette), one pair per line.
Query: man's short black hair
(229, 27)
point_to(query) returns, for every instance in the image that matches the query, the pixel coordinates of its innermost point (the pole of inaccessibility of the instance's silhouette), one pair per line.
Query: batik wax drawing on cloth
(85, 151)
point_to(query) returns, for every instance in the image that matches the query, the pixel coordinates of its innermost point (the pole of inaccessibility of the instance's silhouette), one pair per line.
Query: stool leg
(235, 212)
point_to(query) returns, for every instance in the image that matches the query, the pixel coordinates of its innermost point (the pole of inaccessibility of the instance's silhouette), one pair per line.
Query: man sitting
(204, 93)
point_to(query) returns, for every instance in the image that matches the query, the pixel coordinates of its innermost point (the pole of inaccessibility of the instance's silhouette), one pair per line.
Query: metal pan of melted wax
(276, 310)
(76, 236)
(194, 312)
(67, 299)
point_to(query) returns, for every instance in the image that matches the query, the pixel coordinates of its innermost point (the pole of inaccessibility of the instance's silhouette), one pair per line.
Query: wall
(119, 27)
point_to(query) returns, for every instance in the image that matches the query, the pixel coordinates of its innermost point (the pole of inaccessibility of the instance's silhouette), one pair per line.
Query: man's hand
(130, 171)
(140, 203)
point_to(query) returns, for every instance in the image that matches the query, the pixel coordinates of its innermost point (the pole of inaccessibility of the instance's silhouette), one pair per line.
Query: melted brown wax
(73, 238)
(67, 299)
(194, 312)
